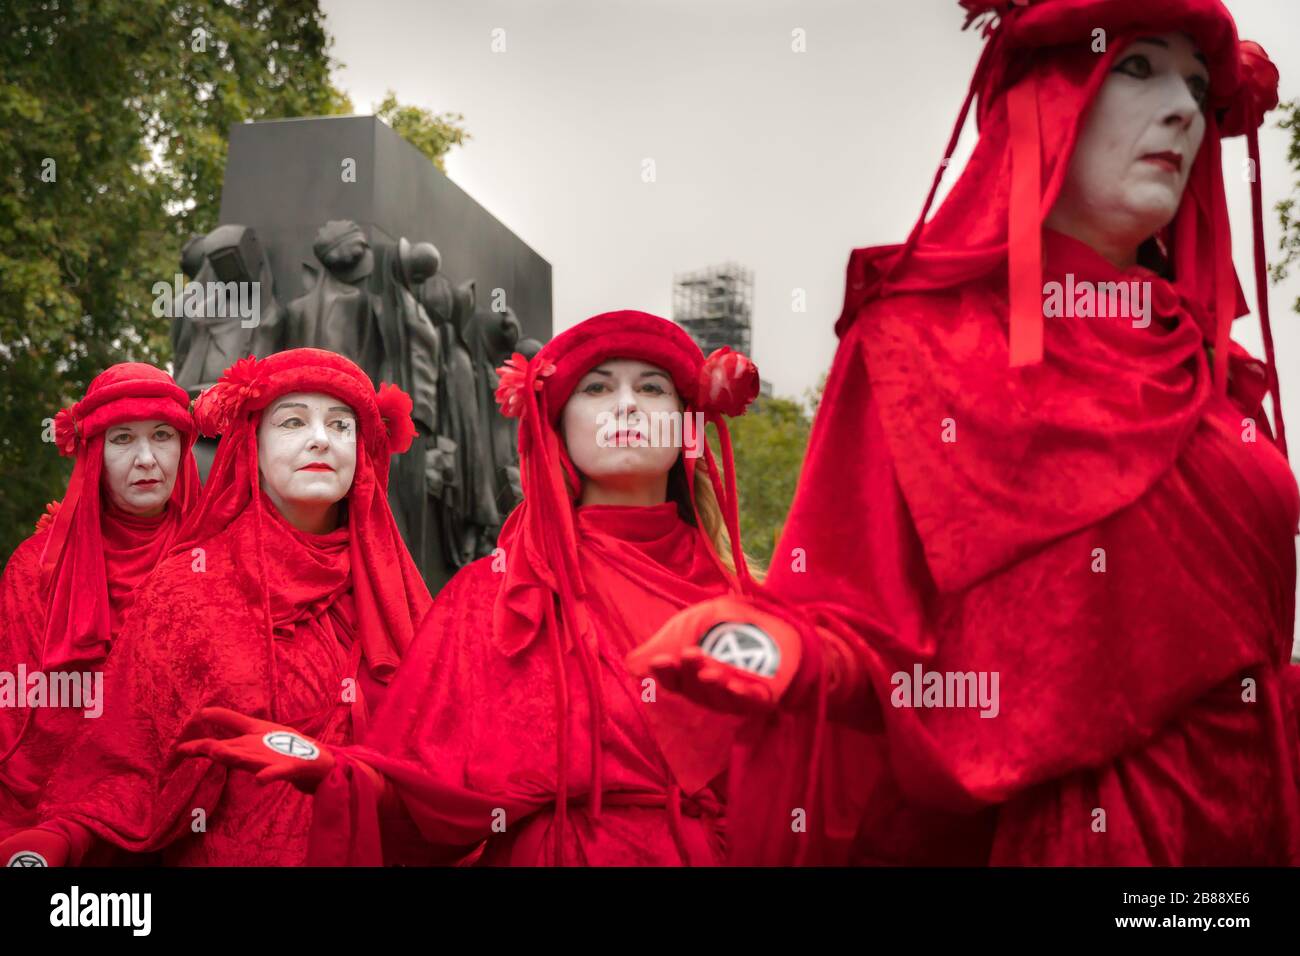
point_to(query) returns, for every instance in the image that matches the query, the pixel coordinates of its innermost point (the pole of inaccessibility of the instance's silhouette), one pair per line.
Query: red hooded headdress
(64, 603)
(389, 593)
(94, 557)
(1039, 72)
(541, 528)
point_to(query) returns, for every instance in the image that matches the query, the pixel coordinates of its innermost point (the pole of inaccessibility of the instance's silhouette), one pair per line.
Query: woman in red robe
(288, 595)
(513, 734)
(67, 588)
(1050, 549)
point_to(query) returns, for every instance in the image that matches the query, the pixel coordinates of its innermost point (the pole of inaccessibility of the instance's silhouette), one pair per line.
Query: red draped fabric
(466, 739)
(1104, 532)
(1108, 527)
(195, 639)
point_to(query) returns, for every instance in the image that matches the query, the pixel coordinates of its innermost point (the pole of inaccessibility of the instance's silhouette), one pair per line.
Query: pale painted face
(140, 465)
(618, 424)
(1136, 148)
(307, 452)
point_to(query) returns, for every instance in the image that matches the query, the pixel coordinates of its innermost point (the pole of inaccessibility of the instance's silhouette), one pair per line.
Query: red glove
(35, 848)
(725, 654)
(267, 750)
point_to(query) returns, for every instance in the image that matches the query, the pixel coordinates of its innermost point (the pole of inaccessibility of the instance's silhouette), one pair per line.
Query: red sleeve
(22, 629)
(119, 778)
(407, 780)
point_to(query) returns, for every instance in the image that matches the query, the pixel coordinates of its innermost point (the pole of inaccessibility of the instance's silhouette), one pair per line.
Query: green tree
(432, 134)
(113, 123)
(769, 442)
(1288, 214)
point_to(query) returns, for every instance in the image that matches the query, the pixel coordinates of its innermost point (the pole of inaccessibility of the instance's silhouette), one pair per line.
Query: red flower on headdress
(514, 382)
(47, 519)
(216, 408)
(1257, 93)
(395, 411)
(66, 436)
(728, 383)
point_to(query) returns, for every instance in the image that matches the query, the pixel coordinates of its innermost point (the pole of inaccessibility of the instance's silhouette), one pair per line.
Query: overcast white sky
(783, 161)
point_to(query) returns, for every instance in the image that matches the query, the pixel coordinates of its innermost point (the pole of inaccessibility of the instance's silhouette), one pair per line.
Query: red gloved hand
(725, 654)
(35, 848)
(267, 750)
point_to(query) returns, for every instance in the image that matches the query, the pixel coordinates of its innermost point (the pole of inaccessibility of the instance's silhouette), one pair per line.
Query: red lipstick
(316, 466)
(1169, 160)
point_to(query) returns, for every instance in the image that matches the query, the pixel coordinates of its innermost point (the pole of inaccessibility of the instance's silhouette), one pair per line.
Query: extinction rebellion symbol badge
(291, 745)
(744, 646)
(24, 858)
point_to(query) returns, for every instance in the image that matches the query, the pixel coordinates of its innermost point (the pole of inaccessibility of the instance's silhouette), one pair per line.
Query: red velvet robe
(467, 737)
(196, 639)
(132, 547)
(1152, 690)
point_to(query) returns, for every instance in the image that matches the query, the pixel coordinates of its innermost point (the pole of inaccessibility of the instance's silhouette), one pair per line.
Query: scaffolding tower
(715, 306)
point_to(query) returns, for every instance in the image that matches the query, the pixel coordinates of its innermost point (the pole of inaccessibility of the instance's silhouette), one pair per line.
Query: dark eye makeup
(1138, 66)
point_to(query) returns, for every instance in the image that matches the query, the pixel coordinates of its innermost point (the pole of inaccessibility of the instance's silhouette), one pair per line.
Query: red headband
(127, 392)
(249, 385)
(724, 383)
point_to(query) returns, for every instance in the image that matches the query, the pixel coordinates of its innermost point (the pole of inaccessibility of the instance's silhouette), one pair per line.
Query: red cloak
(1109, 530)
(251, 614)
(67, 588)
(467, 734)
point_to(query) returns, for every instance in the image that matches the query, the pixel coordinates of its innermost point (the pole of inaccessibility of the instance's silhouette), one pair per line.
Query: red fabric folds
(466, 737)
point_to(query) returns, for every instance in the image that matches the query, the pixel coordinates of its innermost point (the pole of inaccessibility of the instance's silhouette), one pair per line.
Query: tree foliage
(1287, 210)
(769, 443)
(430, 133)
(114, 116)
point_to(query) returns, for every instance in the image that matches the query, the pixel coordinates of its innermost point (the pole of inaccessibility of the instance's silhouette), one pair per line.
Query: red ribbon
(1024, 226)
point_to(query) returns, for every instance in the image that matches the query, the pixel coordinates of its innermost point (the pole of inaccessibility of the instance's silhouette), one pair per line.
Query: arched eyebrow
(653, 371)
(333, 408)
(1157, 41)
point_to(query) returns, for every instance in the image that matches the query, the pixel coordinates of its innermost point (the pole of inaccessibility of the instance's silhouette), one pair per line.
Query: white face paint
(614, 430)
(140, 466)
(307, 456)
(1136, 147)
